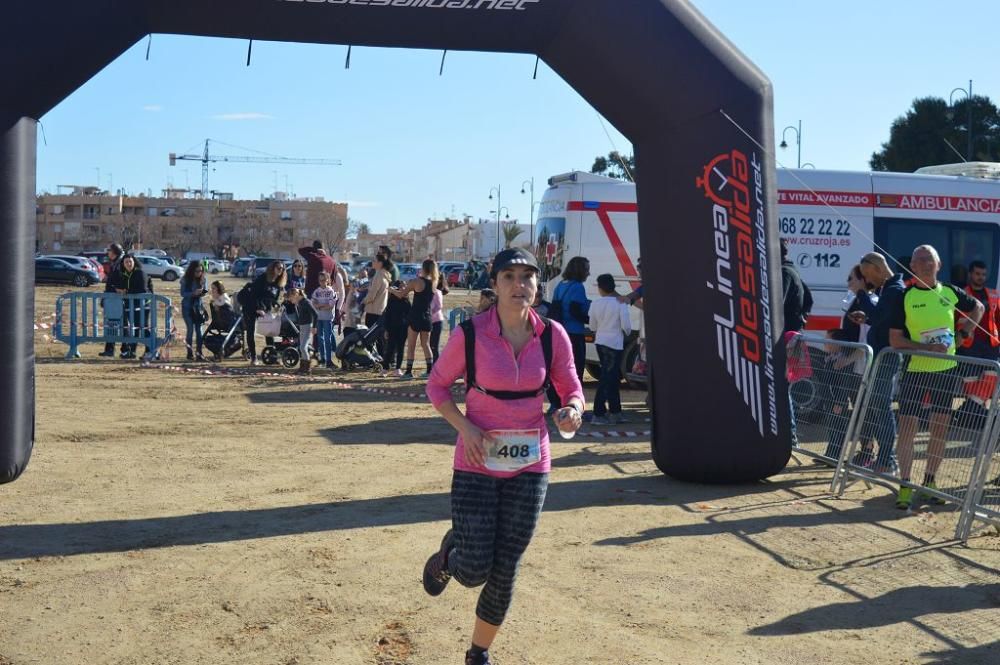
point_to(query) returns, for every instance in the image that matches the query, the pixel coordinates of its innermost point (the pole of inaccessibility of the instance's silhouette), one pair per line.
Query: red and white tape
(594, 434)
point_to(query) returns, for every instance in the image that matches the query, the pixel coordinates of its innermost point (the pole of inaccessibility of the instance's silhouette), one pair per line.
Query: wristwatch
(576, 408)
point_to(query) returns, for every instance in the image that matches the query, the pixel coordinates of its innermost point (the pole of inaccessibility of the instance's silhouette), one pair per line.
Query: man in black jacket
(797, 299)
(115, 255)
(878, 315)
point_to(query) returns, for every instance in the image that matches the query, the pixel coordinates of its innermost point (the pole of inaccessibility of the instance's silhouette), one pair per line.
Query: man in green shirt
(925, 321)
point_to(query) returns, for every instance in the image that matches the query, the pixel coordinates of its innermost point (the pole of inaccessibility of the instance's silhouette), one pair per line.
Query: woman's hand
(476, 443)
(568, 419)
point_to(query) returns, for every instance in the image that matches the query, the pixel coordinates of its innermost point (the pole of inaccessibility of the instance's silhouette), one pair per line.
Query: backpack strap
(469, 331)
(547, 352)
(506, 395)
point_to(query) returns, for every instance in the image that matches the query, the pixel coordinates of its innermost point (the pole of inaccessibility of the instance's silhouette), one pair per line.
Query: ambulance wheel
(629, 358)
(290, 357)
(269, 356)
(593, 369)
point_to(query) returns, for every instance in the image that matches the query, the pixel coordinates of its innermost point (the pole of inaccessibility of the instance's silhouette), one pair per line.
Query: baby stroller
(357, 350)
(224, 335)
(285, 348)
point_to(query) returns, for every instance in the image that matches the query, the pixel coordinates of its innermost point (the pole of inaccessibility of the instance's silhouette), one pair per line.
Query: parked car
(101, 257)
(455, 276)
(260, 264)
(52, 270)
(215, 266)
(239, 267)
(154, 267)
(408, 271)
(83, 262)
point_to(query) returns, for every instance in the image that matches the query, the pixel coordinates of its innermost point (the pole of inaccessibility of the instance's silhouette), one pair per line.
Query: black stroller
(357, 350)
(224, 335)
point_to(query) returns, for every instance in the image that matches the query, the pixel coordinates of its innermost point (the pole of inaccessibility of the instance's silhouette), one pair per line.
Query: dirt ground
(179, 517)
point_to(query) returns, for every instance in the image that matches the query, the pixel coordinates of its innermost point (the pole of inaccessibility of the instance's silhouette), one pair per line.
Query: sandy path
(180, 518)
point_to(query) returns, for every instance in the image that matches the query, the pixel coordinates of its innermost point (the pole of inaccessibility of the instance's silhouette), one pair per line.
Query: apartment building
(87, 219)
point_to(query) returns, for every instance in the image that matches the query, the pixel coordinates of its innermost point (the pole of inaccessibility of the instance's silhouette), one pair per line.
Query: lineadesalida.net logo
(735, 186)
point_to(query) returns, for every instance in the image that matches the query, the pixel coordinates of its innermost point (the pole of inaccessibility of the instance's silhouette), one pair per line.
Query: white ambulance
(830, 219)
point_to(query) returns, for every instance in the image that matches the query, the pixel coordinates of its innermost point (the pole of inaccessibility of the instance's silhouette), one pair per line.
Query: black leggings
(250, 325)
(370, 321)
(579, 344)
(395, 346)
(436, 339)
(493, 521)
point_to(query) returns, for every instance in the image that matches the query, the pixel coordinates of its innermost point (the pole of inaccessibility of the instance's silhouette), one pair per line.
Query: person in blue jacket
(194, 286)
(574, 308)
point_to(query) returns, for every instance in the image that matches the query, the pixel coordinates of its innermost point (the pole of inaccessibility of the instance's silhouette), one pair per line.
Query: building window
(286, 214)
(152, 212)
(286, 235)
(91, 212)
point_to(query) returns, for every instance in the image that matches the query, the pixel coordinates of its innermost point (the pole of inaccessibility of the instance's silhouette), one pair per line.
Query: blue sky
(415, 145)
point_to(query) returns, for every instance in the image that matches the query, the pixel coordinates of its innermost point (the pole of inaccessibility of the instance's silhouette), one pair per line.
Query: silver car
(154, 267)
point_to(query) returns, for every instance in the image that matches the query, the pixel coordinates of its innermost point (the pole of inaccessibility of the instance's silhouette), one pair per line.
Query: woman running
(502, 462)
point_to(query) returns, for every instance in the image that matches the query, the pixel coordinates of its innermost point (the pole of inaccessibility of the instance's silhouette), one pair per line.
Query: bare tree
(251, 232)
(130, 231)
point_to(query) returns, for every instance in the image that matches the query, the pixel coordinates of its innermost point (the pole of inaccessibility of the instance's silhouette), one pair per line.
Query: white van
(830, 219)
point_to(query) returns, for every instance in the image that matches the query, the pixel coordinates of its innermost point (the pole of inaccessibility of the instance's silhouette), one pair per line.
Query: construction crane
(207, 158)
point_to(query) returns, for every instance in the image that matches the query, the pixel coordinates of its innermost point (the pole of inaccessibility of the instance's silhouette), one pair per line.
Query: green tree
(611, 166)
(510, 233)
(921, 137)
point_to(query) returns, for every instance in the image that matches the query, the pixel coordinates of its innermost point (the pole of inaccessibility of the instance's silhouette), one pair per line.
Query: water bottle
(563, 433)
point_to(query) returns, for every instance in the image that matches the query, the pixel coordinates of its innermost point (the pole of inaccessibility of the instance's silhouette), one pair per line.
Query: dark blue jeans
(881, 422)
(608, 396)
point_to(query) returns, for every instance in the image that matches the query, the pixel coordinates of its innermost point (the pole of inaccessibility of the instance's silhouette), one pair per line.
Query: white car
(154, 267)
(215, 266)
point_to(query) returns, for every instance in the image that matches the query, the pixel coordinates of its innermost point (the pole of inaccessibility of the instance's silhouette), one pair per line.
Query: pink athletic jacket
(497, 369)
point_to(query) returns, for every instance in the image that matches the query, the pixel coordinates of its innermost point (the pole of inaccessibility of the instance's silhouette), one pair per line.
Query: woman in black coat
(130, 280)
(264, 296)
(112, 268)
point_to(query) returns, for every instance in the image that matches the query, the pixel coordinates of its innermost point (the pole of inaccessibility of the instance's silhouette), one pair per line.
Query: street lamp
(798, 141)
(968, 101)
(505, 211)
(531, 188)
(497, 190)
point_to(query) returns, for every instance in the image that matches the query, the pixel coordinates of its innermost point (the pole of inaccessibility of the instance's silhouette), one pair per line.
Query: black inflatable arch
(655, 68)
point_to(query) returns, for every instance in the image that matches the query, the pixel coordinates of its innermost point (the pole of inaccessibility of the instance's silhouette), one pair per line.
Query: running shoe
(406, 376)
(599, 420)
(930, 498)
(107, 354)
(863, 459)
(255, 363)
(618, 418)
(436, 575)
(481, 659)
(905, 498)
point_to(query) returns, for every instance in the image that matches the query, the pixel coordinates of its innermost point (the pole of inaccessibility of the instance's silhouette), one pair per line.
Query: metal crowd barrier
(102, 318)
(825, 379)
(943, 436)
(457, 317)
